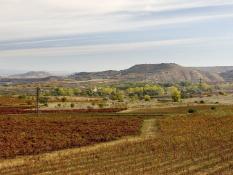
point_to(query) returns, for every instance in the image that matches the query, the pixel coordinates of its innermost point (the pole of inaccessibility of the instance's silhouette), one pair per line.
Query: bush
(44, 100)
(101, 105)
(192, 111)
(72, 105)
(175, 94)
(147, 98)
(202, 102)
(64, 99)
(22, 97)
(221, 93)
(213, 108)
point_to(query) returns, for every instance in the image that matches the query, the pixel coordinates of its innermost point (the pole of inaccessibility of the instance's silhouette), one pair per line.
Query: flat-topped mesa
(164, 72)
(143, 68)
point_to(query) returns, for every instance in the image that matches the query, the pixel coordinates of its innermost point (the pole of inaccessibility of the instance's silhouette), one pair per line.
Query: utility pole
(200, 81)
(200, 85)
(37, 100)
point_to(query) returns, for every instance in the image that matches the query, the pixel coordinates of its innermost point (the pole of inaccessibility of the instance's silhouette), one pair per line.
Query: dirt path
(148, 130)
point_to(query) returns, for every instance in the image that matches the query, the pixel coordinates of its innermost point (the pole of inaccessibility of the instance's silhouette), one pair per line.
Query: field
(171, 141)
(23, 135)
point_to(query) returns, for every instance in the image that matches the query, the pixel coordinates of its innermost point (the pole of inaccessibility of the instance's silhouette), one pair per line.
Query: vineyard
(33, 135)
(180, 145)
(30, 110)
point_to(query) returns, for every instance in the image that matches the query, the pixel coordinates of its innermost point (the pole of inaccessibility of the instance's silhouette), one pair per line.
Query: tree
(106, 91)
(175, 93)
(147, 98)
(139, 91)
(205, 87)
(62, 92)
(153, 90)
(44, 100)
(72, 105)
(119, 95)
(77, 91)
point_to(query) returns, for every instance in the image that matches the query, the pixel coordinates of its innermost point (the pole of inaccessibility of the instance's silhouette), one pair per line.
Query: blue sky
(93, 35)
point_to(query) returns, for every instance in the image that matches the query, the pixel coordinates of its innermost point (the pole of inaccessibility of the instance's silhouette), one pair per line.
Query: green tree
(106, 91)
(153, 90)
(119, 95)
(147, 98)
(139, 91)
(175, 93)
(44, 100)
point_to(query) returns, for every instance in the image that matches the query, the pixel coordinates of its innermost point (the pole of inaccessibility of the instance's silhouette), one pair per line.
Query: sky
(95, 35)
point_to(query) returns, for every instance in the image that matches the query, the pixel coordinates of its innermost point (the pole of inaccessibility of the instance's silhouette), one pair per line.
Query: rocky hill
(31, 75)
(165, 72)
(158, 73)
(228, 76)
(216, 69)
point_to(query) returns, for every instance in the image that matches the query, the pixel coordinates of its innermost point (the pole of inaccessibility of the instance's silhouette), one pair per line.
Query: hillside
(216, 69)
(31, 75)
(160, 73)
(228, 76)
(165, 72)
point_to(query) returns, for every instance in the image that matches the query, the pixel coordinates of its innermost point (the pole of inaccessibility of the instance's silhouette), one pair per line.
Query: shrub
(101, 105)
(202, 102)
(221, 93)
(213, 108)
(72, 105)
(22, 97)
(43, 100)
(64, 99)
(192, 111)
(147, 98)
(175, 94)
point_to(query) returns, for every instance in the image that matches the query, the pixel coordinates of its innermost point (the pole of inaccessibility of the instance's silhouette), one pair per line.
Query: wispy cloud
(106, 48)
(35, 29)
(20, 19)
(88, 39)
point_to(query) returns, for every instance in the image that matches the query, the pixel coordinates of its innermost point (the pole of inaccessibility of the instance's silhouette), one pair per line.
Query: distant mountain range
(31, 75)
(160, 73)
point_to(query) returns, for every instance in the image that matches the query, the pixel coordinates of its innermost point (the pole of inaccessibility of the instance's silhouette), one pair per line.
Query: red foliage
(25, 110)
(105, 110)
(14, 110)
(34, 135)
